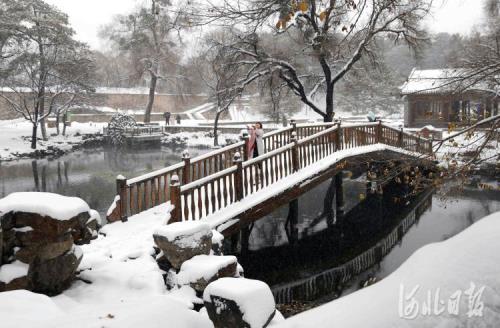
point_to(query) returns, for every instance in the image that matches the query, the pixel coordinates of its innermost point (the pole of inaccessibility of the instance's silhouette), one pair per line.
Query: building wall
(440, 110)
(163, 103)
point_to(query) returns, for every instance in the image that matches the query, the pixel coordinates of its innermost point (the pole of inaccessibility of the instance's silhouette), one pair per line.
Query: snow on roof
(47, 204)
(253, 297)
(438, 81)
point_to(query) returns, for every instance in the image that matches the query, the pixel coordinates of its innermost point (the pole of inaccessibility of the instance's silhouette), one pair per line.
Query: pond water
(88, 174)
(314, 268)
(382, 237)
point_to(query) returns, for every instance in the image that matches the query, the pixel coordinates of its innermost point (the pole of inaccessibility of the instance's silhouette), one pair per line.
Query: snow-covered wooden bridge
(228, 190)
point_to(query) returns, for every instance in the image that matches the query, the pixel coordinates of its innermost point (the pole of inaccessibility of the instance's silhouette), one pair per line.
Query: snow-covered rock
(201, 270)
(239, 302)
(45, 204)
(182, 241)
(40, 230)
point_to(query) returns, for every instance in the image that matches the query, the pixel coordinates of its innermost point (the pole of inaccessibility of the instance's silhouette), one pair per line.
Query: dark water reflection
(427, 219)
(88, 174)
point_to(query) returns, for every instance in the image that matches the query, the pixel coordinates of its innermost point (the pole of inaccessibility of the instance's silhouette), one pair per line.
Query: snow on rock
(253, 299)
(191, 229)
(461, 271)
(203, 269)
(9, 272)
(46, 204)
(95, 216)
(115, 291)
(217, 242)
(181, 241)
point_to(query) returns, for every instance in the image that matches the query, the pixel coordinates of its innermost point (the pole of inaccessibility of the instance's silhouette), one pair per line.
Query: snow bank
(46, 204)
(254, 298)
(21, 308)
(203, 266)
(441, 285)
(188, 232)
(150, 312)
(9, 272)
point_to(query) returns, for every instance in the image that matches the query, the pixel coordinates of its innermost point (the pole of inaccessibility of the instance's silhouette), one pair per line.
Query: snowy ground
(127, 289)
(15, 138)
(124, 286)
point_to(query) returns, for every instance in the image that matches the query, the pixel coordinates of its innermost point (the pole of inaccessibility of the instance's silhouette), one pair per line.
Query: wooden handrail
(212, 181)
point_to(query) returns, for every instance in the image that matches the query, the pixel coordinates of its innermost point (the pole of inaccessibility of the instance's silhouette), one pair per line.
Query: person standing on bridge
(256, 141)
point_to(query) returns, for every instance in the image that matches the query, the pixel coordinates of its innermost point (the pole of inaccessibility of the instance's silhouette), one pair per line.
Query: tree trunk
(151, 99)
(33, 135)
(42, 123)
(58, 115)
(216, 128)
(329, 105)
(65, 119)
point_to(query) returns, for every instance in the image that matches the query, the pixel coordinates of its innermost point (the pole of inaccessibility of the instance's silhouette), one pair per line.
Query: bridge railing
(203, 197)
(146, 191)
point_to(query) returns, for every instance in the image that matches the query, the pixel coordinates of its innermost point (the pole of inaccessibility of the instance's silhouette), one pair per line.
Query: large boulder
(39, 233)
(53, 276)
(201, 270)
(182, 241)
(239, 303)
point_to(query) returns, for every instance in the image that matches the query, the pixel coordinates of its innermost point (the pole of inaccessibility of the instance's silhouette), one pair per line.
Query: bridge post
(293, 123)
(418, 145)
(121, 190)
(295, 153)
(246, 139)
(338, 137)
(186, 172)
(400, 138)
(238, 176)
(175, 199)
(379, 131)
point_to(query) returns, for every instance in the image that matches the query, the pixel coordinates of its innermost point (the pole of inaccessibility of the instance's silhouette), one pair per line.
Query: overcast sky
(86, 16)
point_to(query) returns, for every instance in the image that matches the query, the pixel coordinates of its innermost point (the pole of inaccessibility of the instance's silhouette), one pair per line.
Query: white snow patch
(46, 204)
(23, 229)
(217, 238)
(94, 215)
(9, 272)
(203, 266)
(253, 297)
(185, 234)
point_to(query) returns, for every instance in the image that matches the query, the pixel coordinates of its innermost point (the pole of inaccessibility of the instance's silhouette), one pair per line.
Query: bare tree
(46, 49)
(324, 39)
(217, 70)
(147, 35)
